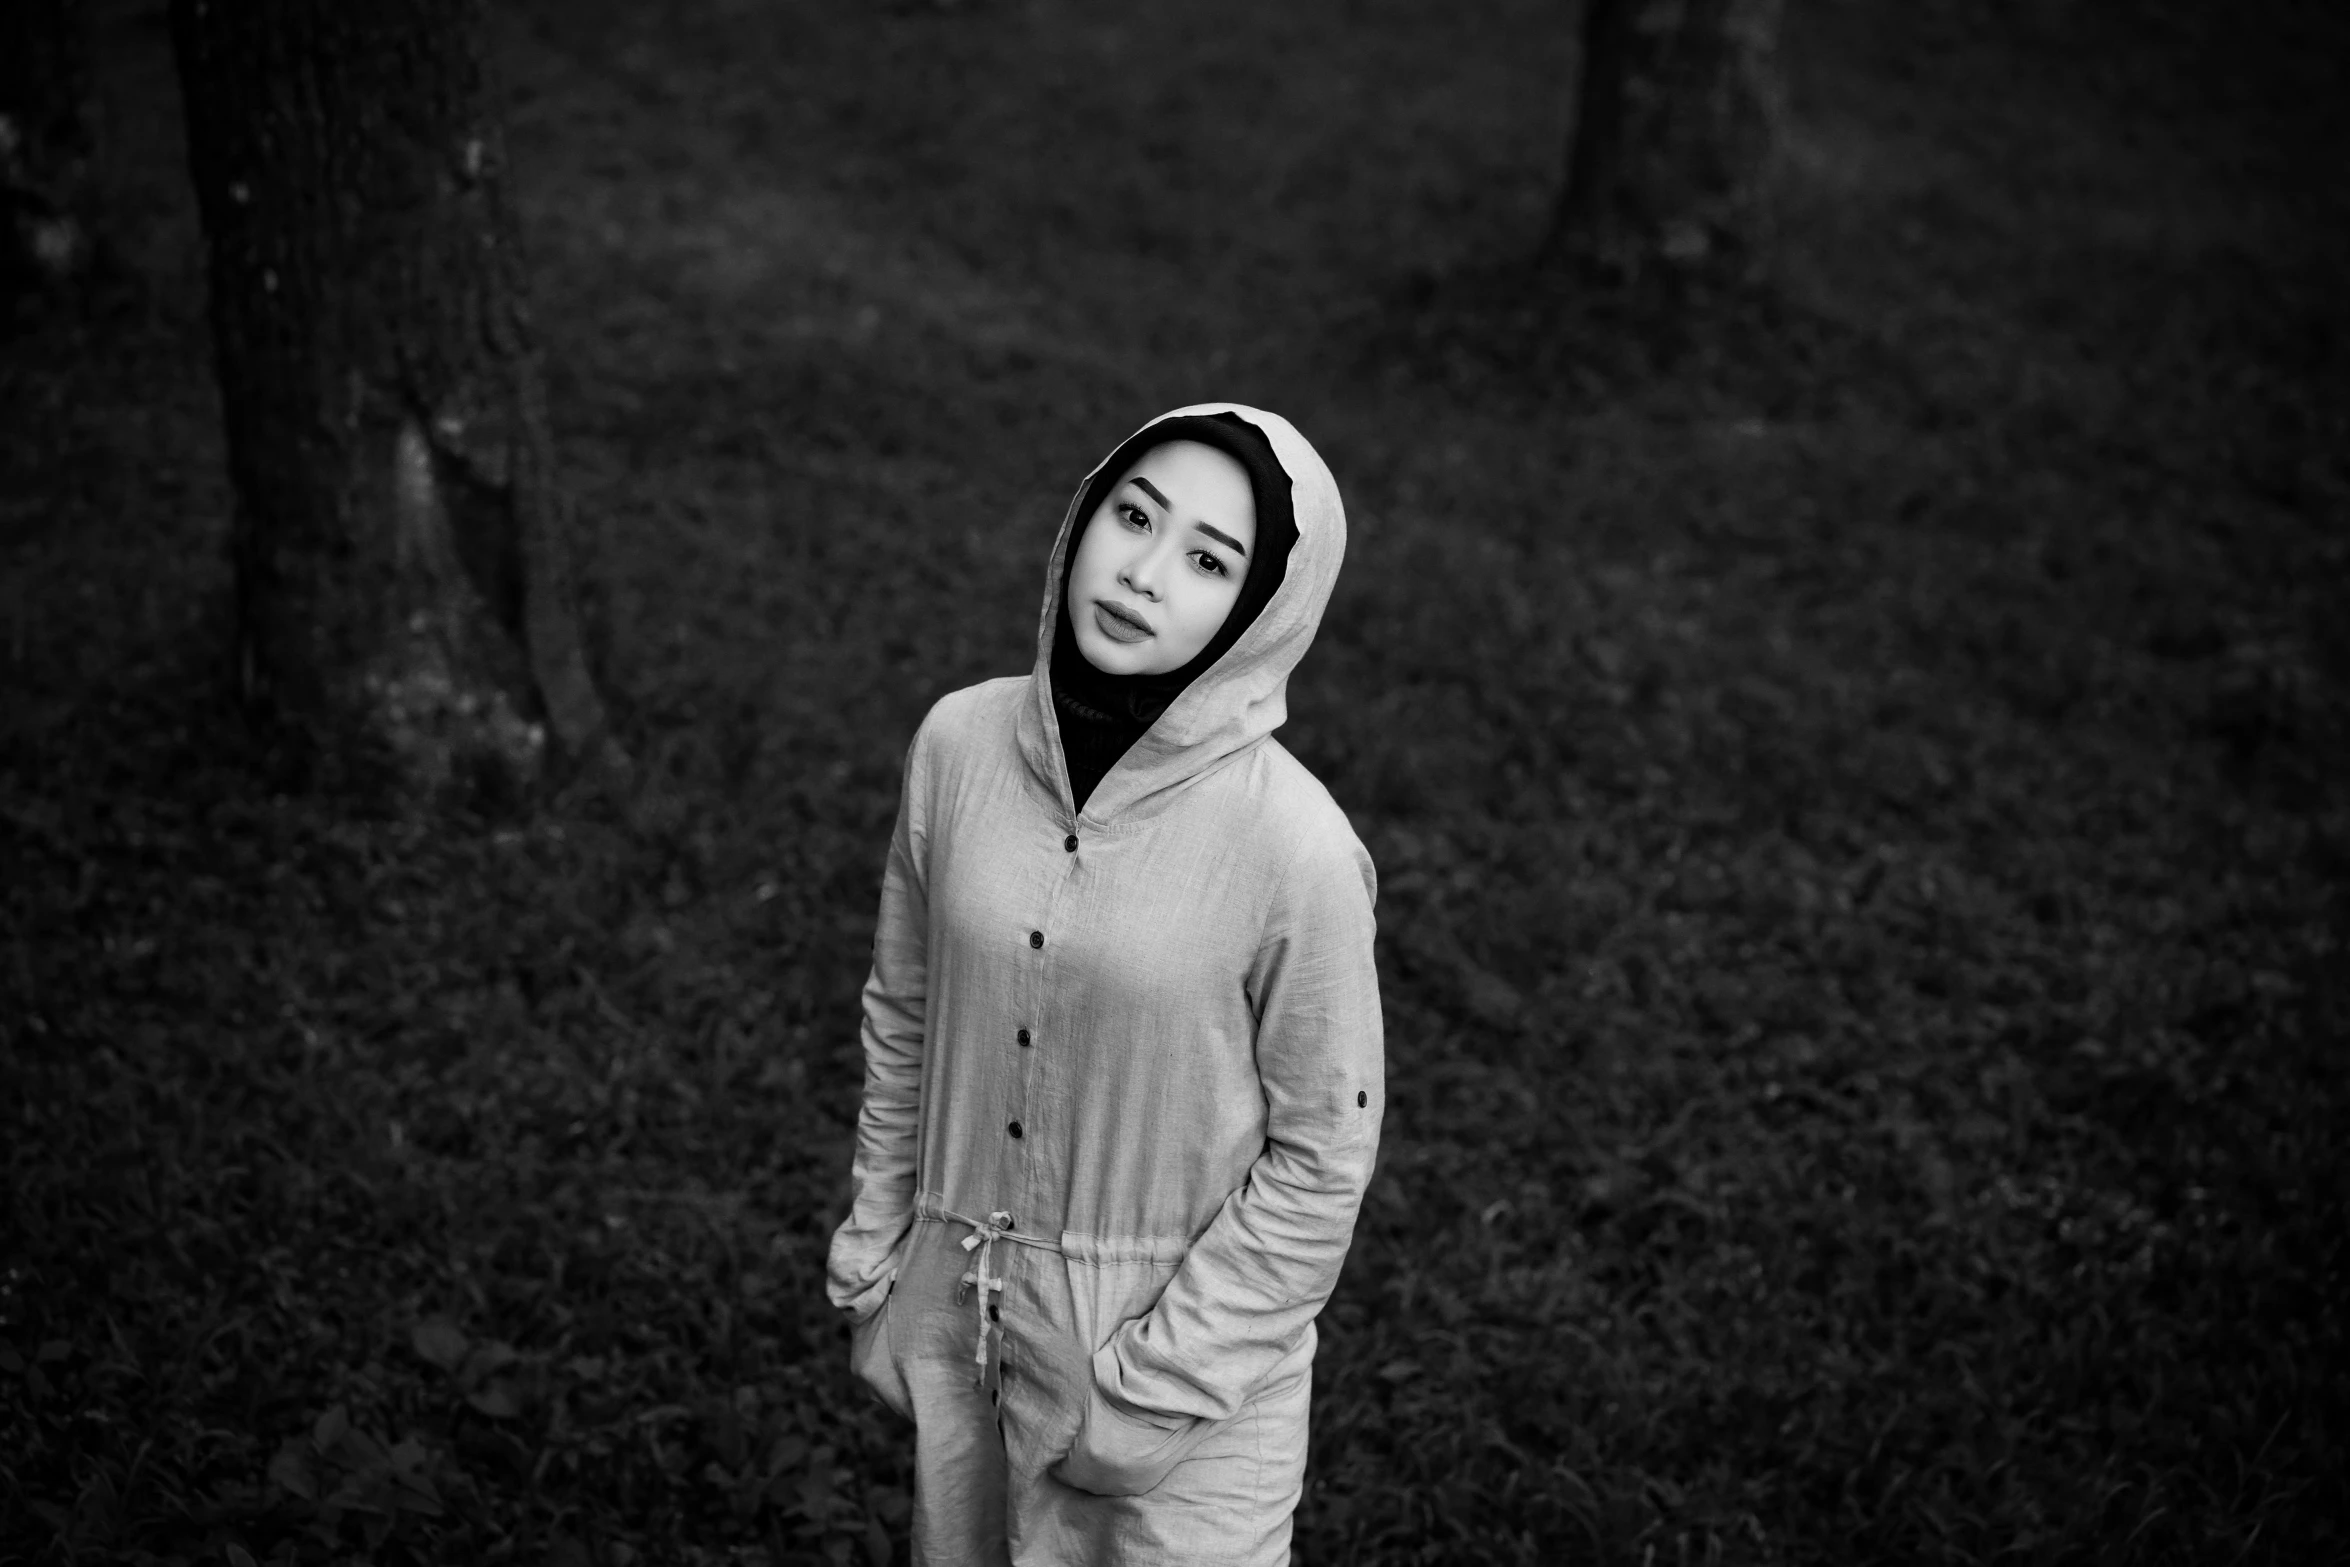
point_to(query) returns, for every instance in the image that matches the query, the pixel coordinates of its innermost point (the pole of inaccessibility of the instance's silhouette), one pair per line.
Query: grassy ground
(1856, 761)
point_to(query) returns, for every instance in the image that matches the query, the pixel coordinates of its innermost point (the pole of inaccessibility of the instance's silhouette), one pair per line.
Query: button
(1023, 1036)
(1070, 843)
(1362, 1100)
(1036, 938)
(1016, 1129)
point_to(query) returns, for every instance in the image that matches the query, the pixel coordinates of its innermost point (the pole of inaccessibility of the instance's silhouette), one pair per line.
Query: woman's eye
(1209, 563)
(1133, 515)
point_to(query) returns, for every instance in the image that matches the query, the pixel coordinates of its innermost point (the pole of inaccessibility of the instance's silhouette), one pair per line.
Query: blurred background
(1840, 665)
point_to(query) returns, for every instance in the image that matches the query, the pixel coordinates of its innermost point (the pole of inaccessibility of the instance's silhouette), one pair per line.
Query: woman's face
(1161, 560)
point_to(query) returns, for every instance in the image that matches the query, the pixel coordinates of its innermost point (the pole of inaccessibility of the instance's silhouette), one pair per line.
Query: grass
(1854, 756)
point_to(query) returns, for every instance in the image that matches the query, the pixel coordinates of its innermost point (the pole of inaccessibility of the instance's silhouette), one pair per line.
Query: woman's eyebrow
(1223, 538)
(1218, 534)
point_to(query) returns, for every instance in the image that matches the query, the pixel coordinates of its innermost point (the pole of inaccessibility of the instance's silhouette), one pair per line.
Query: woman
(1123, 1070)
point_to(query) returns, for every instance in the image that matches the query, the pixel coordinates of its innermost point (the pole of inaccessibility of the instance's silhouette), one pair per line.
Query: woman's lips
(1119, 625)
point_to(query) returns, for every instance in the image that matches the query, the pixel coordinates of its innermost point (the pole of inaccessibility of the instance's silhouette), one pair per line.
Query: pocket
(873, 1358)
(1125, 1452)
(1120, 1449)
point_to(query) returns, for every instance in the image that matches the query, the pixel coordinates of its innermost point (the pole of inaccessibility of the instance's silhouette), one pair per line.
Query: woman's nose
(1141, 575)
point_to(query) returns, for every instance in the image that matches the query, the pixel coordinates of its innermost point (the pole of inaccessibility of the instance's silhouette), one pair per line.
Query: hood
(1243, 696)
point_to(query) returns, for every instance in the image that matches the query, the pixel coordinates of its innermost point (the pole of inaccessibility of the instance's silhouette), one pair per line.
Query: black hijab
(1100, 714)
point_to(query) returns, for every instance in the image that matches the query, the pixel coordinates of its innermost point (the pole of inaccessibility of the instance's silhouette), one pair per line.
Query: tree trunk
(48, 132)
(1675, 129)
(405, 605)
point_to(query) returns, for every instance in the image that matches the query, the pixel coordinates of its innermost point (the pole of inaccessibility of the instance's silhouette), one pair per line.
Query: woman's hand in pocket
(873, 1358)
(1125, 1452)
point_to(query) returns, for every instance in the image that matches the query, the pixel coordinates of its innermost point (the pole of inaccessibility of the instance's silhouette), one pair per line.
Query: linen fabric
(1124, 1076)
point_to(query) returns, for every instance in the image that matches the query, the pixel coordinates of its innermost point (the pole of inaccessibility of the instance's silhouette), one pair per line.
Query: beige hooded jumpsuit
(1123, 1081)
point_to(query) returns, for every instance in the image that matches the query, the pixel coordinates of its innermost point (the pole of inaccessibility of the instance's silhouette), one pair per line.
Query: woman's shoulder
(1294, 808)
(984, 712)
(1290, 792)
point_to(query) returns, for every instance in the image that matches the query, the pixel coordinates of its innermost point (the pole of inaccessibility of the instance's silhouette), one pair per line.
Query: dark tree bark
(405, 603)
(1675, 130)
(48, 132)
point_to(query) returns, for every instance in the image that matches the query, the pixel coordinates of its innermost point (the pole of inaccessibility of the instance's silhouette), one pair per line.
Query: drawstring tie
(987, 1351)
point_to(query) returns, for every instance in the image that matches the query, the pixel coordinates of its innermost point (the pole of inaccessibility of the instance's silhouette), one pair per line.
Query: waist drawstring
(983, 1236)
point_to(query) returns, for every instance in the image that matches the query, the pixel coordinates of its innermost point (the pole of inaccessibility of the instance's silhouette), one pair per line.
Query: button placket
(1017, 1182)
(1020, 1149)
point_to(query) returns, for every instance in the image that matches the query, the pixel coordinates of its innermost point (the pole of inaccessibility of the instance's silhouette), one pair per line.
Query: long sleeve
(895, 1019)
(1262, 1270)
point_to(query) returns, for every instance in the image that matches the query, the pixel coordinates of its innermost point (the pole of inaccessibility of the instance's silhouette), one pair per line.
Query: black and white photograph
(1049, 783)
